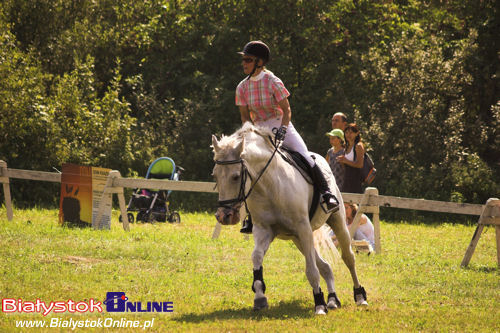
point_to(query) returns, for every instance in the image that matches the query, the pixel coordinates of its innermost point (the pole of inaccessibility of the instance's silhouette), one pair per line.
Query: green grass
(416, 284)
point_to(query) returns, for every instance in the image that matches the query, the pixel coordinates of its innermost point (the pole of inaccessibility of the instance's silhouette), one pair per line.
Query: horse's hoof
(362, 303)
(260, 303)
(333, 302)
(360, 296)
(332, 305)
(320, 310)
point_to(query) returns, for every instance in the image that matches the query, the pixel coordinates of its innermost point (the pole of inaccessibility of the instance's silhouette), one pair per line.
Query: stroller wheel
(174, 218)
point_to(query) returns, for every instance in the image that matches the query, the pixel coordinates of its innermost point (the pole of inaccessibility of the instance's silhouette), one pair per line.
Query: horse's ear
(215, 143)
(241, 146)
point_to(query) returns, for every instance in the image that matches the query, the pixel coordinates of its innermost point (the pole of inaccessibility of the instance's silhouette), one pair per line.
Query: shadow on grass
(483, 269)
(291, 309)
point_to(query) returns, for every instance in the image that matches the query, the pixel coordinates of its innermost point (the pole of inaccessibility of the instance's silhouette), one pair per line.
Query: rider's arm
(245, 116)
(287, 112)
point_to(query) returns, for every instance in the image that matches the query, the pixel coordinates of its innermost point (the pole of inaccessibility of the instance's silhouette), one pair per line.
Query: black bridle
(242, 197)
(243, 176)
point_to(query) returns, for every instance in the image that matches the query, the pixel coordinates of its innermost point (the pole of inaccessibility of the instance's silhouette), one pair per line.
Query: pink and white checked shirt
(261, 94)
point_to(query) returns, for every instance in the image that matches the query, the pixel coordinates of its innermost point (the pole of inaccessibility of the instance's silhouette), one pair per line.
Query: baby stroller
(153, 205)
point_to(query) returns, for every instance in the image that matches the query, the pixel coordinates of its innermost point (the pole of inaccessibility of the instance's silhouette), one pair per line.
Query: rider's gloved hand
(280, 133)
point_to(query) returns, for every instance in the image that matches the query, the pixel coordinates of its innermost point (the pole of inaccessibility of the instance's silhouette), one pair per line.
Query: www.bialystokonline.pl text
(73, 324)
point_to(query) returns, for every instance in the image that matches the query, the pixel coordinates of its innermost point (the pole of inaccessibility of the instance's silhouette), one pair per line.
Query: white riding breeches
(292, 141)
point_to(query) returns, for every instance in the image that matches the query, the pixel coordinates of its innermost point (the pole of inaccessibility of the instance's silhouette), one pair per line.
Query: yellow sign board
(81, 191)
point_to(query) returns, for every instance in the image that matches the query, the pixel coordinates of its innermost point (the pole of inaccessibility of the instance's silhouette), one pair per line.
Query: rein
(242, 197)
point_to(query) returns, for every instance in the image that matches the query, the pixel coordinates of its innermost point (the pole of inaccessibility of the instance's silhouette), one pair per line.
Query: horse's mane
(256, 142)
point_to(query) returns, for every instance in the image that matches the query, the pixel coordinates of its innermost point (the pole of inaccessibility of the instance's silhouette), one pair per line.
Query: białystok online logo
(114, 302)
(118, 302)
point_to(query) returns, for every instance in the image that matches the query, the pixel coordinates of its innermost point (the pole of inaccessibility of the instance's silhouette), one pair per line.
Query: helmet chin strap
(255, 66)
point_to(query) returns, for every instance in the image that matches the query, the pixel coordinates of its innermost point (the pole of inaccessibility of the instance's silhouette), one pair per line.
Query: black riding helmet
(257, 49)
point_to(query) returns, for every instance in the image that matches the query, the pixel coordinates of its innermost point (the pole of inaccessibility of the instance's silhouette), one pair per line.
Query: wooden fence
(369, 202)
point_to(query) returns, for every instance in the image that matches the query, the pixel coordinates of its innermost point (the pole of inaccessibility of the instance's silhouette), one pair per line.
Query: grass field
(416, 284)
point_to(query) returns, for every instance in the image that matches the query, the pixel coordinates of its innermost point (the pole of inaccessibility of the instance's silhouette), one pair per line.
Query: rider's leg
(294, 141)
(329, 202)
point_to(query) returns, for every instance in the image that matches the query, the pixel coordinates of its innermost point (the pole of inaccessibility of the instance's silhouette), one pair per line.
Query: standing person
(263, 99)
(337, 142)
(339, 120)
(353, 159)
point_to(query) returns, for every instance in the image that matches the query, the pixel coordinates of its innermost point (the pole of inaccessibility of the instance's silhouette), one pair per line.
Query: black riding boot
(247, 225)
(328, 201)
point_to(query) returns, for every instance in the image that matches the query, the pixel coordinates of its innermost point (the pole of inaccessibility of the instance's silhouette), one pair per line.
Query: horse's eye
(235, 177)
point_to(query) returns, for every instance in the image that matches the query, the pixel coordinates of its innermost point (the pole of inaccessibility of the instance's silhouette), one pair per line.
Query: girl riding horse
(263, 99)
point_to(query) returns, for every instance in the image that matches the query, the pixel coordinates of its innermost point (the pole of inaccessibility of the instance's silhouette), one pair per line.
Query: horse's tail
(324, 245)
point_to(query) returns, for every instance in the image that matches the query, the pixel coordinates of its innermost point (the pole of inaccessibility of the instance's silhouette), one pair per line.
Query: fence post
(107, 197)
(121, 202)
(376, 219)
(216, 232)
(121, 199)
(4, 179)
(489, 216)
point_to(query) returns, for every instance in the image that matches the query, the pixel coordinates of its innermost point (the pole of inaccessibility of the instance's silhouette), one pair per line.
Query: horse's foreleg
(326, 272)
(344, 238)
(263, 239)
(306, 245)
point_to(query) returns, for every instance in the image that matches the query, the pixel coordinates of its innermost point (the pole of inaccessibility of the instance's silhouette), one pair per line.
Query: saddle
(298, 161)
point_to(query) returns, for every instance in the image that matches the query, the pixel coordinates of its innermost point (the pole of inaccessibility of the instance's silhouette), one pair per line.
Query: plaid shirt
(261, 94)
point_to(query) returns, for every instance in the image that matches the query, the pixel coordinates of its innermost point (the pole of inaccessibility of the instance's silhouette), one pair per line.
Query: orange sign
(81, 190)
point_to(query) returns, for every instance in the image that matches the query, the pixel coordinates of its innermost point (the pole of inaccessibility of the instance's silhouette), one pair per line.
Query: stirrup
(327, 203)
(247, 225)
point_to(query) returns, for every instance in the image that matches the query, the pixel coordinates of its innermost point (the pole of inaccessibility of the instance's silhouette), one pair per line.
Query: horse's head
(229, 173)
(233, 157)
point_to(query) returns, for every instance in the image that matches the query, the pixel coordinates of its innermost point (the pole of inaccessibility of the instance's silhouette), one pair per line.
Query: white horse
(248, 171)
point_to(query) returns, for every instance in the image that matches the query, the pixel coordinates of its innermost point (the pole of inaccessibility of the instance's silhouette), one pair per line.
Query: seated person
(365, 229)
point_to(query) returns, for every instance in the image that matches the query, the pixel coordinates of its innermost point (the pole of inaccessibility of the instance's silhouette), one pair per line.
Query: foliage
(119, 83)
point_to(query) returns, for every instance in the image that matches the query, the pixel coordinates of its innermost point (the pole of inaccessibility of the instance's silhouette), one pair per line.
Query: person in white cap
(337, 142)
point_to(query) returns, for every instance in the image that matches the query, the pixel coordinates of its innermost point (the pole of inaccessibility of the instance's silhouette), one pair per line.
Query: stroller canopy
(162, 168)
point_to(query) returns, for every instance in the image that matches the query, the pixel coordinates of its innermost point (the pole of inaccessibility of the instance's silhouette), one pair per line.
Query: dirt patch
(76, 260)
(81, 260)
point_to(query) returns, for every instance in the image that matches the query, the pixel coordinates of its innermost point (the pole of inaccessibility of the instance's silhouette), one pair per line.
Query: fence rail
(34, 175)
(209, 187)
(173, 185)
(427, 205)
